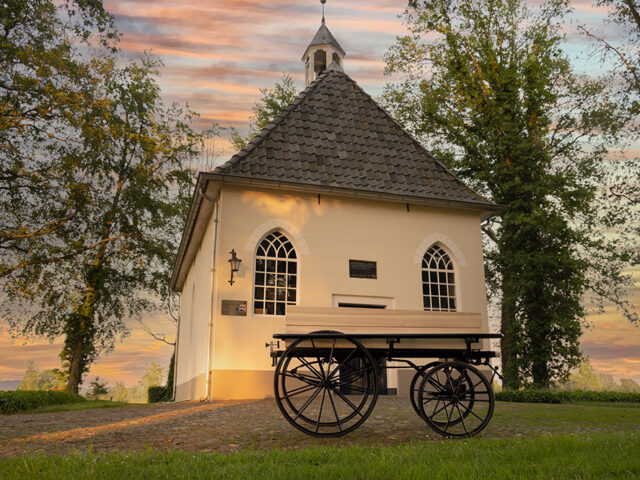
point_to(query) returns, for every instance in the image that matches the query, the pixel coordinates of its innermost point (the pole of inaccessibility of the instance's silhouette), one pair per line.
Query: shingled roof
(323, 37)
(334, 135)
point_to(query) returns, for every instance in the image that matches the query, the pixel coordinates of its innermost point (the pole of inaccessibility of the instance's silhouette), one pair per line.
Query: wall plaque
(237, 308)
(363, 269)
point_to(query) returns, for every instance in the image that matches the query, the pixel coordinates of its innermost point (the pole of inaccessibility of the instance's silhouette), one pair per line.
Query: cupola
(323, 50)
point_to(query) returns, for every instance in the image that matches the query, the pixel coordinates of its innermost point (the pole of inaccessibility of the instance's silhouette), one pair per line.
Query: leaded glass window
(276, 275)
(438, 281)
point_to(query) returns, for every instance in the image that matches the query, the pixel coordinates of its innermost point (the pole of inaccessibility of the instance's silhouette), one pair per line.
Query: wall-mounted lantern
(234, 261)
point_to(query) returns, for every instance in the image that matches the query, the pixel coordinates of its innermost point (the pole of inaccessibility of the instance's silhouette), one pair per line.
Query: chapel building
(332, 205)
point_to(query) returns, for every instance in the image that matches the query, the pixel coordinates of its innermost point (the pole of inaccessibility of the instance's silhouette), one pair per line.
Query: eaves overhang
(208, 188)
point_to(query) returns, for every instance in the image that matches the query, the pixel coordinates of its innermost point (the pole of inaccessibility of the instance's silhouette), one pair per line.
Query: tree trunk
(79, 345)
(508, 328)
(74, 346)
(80, 331)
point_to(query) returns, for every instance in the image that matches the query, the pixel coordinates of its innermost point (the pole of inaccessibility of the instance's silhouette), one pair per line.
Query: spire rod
(323, 2)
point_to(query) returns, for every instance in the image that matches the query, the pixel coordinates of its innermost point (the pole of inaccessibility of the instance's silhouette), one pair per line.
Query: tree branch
(623, 59)
(161, 337)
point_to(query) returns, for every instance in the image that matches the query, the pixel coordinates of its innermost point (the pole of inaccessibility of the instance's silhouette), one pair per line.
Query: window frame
(283, 239)
(452, 270)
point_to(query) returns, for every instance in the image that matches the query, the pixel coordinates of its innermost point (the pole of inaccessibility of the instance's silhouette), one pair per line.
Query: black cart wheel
(415, 383)
(326, 387)
(413, 392)
(456, 399)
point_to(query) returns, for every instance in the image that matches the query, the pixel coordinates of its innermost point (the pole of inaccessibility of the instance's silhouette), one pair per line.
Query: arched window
(319, 62)
(438, 281)
(276, 275)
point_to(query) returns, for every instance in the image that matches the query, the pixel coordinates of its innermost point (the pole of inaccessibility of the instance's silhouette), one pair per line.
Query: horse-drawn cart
(327, 381)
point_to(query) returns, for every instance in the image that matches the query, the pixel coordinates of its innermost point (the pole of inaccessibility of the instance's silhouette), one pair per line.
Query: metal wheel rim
(413, 391)
(310, 420)
(442, 428)
(279, 379)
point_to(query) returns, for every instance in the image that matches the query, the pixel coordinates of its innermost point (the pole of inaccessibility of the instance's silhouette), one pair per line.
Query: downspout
(175, 353)
(212, 296)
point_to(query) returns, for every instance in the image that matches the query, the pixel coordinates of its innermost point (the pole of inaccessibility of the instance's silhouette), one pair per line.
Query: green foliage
(30, 378)
(157, 394)
(171, 372)
(52, 379)
(154, 376)
(551, 396)
(584, 378)
(97, 389)
(488, 86)
(45, 87)
(582, 456)
(94, 189)
(266, 109)
(622, 58)
(120, 393)
(12, 402)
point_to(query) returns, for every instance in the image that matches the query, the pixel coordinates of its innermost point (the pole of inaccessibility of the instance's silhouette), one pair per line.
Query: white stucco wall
(326, 235)
(193, 334)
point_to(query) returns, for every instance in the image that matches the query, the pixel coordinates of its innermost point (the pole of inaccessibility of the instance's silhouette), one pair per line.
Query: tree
(608, 382)
(488, 86)
(44, 88)
(33, 379)
(628, 385)
(52, 379)
(171, 373)
(97, 389)
(623, 58)
(30, 378)
(266, 109)
(154, 376)
(584, 378)
(119, 393)
(132, 165)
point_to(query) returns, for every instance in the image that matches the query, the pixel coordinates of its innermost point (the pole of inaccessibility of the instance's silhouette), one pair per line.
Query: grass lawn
(597, 456)
(65, 407)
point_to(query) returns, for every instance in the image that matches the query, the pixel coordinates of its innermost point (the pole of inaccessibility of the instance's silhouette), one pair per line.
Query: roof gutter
(354, 192)
(487, 210)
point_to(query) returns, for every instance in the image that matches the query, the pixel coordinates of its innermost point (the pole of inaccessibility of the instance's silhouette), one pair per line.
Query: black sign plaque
(363, 269)
(237, 308)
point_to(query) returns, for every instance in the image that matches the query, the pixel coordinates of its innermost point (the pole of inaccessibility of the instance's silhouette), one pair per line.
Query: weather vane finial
(323, 2)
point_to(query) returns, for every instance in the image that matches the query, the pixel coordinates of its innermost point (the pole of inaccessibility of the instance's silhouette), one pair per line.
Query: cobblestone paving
(226, 426)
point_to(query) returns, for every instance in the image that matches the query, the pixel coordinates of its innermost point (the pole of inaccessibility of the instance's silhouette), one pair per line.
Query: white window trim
(456, 278)
(253, 272)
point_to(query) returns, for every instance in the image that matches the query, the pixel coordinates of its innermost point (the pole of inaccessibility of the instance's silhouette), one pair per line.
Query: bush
(159, 394)
(548, 396)
(20, 400)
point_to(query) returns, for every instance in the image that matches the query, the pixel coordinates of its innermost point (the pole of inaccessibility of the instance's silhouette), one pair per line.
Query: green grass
(563, 457)
(88, 404)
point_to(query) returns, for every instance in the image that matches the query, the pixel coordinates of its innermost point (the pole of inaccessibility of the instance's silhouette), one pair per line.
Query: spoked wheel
(326, 387)
(455, 399)
(415, 383)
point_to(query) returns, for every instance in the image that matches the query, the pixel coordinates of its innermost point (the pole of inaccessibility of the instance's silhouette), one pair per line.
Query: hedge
(159, 394)
(548, 396)
(19, 400)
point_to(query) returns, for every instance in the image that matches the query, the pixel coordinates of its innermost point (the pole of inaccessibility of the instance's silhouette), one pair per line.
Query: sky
(217, 54)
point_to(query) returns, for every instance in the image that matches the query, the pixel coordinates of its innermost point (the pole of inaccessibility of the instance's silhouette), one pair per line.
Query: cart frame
(325, 382)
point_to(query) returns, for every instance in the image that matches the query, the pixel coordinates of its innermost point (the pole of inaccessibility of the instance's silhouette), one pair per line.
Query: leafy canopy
(488, 88)
(266, 109)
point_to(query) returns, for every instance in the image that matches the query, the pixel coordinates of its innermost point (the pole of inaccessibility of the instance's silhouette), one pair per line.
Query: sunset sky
(218, 54)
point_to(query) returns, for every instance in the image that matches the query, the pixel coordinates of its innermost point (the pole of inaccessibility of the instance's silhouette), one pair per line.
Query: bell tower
(323, 50)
